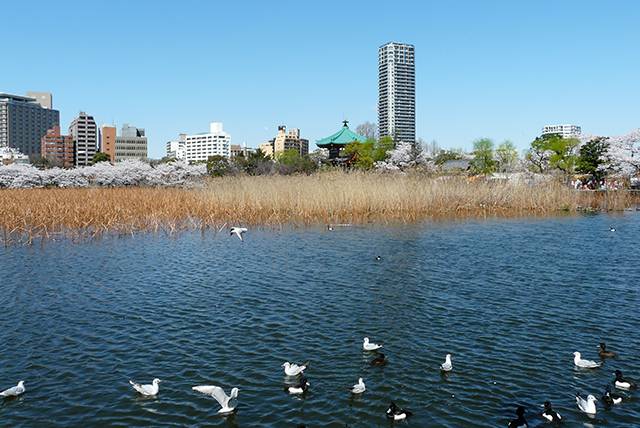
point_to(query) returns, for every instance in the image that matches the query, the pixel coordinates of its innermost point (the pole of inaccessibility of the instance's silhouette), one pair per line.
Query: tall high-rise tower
(84, 132)
(397, 91)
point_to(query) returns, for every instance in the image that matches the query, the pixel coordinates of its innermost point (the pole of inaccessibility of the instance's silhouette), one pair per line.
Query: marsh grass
(336, 197)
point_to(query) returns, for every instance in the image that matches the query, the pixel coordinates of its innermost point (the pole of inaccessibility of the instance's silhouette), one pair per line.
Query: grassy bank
(273, 200)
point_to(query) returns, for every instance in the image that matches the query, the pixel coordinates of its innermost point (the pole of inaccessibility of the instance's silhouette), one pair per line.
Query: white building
(199, 147)
(397, 92)
(176, 148)
(565, 131)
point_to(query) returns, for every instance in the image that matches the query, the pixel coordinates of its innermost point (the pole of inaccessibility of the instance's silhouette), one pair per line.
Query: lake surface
(511, 300)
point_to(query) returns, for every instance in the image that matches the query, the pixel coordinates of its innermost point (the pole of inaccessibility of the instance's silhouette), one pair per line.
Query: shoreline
(321, 199)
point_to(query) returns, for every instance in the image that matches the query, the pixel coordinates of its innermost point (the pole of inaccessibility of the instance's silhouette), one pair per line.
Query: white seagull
(368, 346)
(147, 390)
(293, 369)
(239, 231)
(584, 364)
(587, 406)
(227, 403)
(359, 387)
(446, 366)
(13, 391)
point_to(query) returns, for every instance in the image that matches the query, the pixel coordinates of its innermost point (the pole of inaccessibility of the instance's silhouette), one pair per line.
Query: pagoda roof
(343, 137)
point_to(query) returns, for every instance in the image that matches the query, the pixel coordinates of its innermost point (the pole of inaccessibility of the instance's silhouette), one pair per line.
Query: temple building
(335, 142)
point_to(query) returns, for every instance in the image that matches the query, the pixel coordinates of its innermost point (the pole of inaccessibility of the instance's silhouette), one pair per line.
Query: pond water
(511, 300)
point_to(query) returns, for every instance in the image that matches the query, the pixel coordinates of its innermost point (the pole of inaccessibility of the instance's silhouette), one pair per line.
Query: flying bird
(369, 346)
(294, 369)
(359, 387)
(239, 231)
(587, 406)
(584, 364)
(14, 391)
(447, 366)
(227, 403)
(147, 390)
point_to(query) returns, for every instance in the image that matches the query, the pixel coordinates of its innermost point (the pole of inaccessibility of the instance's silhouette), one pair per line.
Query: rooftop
(343, 137)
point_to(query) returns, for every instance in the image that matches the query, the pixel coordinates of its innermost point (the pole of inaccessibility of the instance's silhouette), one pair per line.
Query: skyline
(481, 70)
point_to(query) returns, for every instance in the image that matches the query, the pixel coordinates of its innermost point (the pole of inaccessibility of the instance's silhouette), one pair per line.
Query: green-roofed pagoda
(339, 140)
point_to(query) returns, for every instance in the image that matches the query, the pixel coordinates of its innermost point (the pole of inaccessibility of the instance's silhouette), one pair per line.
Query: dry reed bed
(274, 200)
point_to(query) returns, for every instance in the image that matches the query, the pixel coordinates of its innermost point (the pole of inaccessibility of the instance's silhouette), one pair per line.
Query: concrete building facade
(84, 132)
(238, 150)
(285, 140)
(176, 148)
(565, 131)
(130, 144)
(23, 123)
(397, 92)
(108, 141)
(198, 147)
(57, 148)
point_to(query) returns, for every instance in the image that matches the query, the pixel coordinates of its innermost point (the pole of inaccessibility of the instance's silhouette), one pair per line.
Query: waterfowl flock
(296, 383)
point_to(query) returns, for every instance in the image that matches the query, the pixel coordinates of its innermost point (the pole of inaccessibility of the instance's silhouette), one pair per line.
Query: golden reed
(335, 197)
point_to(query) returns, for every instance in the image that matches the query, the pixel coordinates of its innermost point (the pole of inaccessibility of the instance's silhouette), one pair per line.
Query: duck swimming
(550, 414)
(299, 388)
(604, 353)
(380, 360)
(623, 383)
(396, 413)
(609, 398)
(520, 421)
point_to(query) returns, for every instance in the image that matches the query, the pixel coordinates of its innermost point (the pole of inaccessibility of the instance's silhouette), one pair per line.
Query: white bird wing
(10, 392)
(588, 364)
(215, 392)
(582, 404)
(446, 366)
(142, 389)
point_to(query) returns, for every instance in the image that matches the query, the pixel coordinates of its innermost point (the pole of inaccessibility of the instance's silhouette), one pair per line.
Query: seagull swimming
(446, 366)
(300, 388)
(520, 421)
(396, 413)
(584, 364)
(294, 369)
(612, 229)
(148, 390)
(227, 403)
(609, 398)
(239, 231)
(587, 406)
(622, 383)
(604, 353)
(14, 391)
(370, 346)
(359, 387)
(550, 414)
(380, 360)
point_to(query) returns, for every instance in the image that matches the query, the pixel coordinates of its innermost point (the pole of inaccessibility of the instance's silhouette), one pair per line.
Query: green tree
(41, 163)
(382, 147)
(290, 162)
(218, 166)
(100, 157)
(506, 156)
(590, 158)
(554, 152)
(446, 155)
(369, 152)
(483, 161)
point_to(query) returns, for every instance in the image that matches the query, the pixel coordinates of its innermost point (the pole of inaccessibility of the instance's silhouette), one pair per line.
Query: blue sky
(498, 69)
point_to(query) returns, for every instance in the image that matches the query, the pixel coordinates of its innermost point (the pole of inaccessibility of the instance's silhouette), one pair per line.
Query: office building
(285, 140)
(176, 148)
(57, 148)
(565, 131)
(198, 147)
(108, 141)
(238, 150)
(23, 123)
(130, 144)
(397, 92)
(84, 133)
